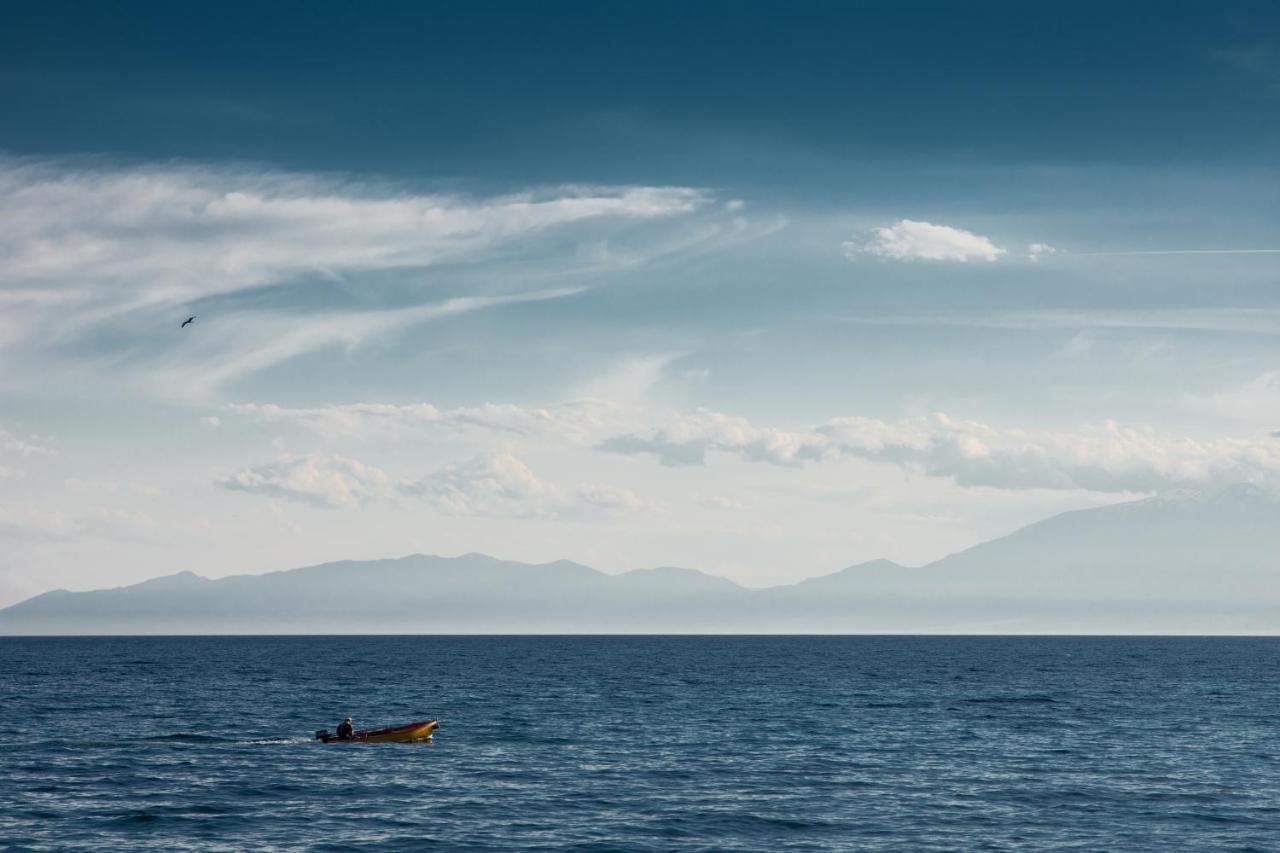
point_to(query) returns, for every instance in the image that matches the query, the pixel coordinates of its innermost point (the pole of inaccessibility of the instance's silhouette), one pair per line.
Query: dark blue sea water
(658, 743)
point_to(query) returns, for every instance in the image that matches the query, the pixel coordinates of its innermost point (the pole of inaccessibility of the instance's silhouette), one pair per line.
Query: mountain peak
(852, 575)
(182, 578)
(675, 577)
(874, 565)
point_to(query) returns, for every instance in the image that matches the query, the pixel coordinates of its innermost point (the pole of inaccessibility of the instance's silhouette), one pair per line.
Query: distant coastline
(1195, 564)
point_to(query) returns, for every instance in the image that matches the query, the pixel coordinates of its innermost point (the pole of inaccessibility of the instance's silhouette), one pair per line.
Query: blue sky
(763, 289)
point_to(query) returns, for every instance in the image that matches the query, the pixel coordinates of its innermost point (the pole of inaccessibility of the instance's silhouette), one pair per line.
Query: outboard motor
(323, 734)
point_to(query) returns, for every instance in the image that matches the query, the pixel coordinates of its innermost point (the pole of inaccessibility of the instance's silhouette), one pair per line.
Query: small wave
(136, 819)
(1010, 700)
(751, 825)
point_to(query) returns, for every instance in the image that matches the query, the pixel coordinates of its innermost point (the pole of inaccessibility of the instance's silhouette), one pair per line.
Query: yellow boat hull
(396, 734)
(402, 734)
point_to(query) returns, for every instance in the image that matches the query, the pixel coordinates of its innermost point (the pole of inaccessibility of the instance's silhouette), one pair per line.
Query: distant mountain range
(1196, 563)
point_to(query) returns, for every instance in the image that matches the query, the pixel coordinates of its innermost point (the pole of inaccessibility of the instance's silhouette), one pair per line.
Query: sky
(763, 289)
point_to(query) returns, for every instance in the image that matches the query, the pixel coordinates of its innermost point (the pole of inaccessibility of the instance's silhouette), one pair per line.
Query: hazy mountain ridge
(1093, 571)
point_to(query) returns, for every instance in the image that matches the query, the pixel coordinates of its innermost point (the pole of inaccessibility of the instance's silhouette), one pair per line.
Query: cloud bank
(1109, 457)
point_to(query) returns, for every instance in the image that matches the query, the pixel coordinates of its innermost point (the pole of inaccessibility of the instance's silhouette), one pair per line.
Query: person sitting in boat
(346, 730)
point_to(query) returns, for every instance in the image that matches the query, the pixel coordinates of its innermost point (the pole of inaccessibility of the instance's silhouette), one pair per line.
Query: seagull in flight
(188, 321)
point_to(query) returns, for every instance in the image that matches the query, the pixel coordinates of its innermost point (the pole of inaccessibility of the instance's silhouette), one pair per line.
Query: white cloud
(911, 240)
(1036, 251)
(1108, 458)
(318, 480)
(499, 485)
(687, 439)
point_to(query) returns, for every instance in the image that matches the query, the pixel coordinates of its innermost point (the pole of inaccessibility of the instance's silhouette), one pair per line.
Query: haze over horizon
(674, 286)
(1202, 563)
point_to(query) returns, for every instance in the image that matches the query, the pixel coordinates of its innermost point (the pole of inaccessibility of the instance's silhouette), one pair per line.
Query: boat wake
(186, 737)
(275, 741)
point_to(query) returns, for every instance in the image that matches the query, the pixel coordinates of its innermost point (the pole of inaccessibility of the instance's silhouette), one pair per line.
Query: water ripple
(643, 744)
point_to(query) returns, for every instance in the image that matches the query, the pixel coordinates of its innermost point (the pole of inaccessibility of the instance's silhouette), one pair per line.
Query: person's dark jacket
(345, 730)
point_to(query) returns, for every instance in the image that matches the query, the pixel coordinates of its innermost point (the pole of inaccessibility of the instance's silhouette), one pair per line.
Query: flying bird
(188, 321)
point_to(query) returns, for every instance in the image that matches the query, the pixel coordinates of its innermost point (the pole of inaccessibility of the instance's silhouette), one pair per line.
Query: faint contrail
(1187, 252)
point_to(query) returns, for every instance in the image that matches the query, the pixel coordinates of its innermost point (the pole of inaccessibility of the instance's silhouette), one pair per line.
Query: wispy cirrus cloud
(248, 342)
(165, 234)
(1254, 321)
(94, 260)
(576, 420)
(605, 404)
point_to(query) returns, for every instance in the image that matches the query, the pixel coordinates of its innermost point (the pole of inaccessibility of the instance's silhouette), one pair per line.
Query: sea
(663, 743)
